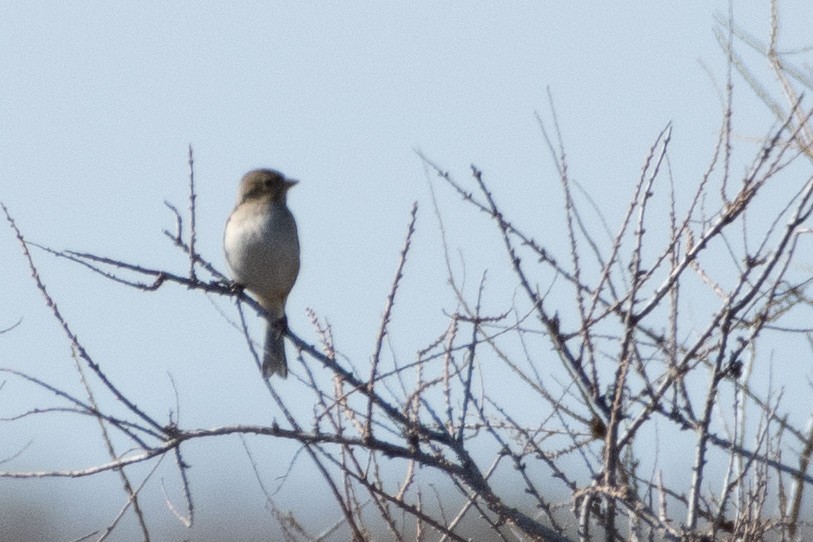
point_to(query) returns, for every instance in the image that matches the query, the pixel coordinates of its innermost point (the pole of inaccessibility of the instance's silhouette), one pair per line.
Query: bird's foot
(235, 288)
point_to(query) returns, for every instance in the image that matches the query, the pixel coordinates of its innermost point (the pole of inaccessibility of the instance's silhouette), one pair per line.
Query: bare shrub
(648, 336)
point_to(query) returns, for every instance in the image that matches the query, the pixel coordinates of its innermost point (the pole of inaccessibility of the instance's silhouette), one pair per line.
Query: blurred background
(100, 101)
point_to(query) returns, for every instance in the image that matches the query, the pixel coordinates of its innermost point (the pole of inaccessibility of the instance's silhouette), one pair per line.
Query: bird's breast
(262, 248)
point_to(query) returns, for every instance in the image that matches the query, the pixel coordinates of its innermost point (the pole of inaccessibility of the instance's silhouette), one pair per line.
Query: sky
(100, 101)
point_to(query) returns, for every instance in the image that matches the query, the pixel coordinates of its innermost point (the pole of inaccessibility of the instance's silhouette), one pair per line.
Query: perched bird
(262, 249)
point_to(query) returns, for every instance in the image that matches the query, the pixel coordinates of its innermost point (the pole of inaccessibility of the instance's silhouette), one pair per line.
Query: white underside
(262, 250)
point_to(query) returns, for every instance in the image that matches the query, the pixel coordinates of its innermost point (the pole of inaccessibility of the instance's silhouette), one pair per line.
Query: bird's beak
(289, 183)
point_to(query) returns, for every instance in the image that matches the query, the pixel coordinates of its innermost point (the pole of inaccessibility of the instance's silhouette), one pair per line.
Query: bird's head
(264, 184)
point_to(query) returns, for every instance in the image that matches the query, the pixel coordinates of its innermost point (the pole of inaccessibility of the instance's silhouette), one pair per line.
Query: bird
(262, 249)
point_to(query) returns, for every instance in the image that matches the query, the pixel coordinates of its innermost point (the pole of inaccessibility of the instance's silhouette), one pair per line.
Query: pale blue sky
(99, 100)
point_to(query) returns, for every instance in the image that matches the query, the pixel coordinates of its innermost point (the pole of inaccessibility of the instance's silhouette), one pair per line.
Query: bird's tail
(274, 361)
